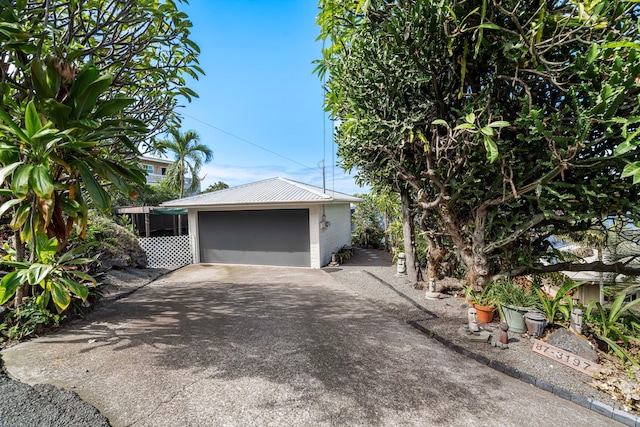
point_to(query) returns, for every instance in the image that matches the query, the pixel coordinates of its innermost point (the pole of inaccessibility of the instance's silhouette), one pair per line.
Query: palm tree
(189, 154)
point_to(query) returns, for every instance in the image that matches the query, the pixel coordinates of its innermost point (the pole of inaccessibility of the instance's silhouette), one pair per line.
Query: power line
(247, 141)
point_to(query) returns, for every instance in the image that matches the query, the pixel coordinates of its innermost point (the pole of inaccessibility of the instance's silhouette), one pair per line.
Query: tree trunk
(22, 291)
(413, 268)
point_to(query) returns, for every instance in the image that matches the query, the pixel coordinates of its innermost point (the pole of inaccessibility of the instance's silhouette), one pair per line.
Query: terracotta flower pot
(485, 313)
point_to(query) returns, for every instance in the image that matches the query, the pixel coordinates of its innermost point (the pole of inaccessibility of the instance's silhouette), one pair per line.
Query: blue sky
(260, 87)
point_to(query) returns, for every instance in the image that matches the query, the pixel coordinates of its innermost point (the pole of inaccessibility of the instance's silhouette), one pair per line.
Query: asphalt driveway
(238, 345)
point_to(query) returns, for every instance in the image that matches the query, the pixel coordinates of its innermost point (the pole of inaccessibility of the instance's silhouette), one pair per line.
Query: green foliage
(343, 254)
(57, 151)
(486, 297)
(617, 326)
(56, 278)
(508, 126)
(144, 45)
(148, 195)
(367, 223)
(559, 307)
(112, 241)
(27, 320)
(509, 292)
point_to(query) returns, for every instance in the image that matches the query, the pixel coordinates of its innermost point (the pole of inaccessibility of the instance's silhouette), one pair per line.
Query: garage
(272, 222)
(263, 237)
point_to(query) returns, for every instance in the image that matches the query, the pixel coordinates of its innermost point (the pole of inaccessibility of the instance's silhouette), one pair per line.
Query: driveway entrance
(245, 345)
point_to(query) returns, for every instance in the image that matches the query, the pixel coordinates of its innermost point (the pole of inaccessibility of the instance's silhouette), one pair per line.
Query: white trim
(314, 237)
(194, 235)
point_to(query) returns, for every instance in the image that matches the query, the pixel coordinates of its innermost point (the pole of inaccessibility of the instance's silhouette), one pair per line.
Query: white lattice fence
(167, 251)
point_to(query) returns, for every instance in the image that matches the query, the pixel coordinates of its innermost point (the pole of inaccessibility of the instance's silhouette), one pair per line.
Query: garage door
(270, 237)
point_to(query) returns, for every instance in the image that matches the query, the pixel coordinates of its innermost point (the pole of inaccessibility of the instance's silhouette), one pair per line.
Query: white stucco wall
(338, 234)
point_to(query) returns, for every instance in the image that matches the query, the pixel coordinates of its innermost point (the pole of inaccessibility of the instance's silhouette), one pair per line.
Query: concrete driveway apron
(245, 345)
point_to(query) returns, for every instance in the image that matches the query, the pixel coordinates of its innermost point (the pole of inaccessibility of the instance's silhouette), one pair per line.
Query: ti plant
(57, 277)
(62, 150)
(610, 327)
(560, 305)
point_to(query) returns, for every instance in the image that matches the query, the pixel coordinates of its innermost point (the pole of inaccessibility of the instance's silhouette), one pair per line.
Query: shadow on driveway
(213, 345)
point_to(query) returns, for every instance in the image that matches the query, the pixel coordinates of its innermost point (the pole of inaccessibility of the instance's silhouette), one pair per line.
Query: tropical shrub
(617, 326)
(27, 320)
(53, 278)
(559, 307)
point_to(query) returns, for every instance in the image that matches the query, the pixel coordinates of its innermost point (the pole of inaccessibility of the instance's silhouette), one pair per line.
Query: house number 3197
(569, 359)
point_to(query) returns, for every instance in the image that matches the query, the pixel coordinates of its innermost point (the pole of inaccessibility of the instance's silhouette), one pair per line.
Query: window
(164, 171)
(149, 168)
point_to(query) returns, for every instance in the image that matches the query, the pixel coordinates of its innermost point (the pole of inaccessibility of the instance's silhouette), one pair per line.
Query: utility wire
(246, 141)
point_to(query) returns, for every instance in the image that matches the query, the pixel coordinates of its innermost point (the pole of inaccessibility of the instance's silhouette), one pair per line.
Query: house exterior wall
(156, 170)
(338, 234)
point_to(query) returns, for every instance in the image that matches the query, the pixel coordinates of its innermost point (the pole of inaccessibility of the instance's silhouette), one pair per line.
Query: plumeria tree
(82, 84)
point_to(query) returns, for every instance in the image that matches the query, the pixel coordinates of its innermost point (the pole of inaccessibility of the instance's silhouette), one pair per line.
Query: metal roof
(268, 192)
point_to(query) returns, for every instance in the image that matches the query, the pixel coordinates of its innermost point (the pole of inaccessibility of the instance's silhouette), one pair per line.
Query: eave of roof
(270, 192)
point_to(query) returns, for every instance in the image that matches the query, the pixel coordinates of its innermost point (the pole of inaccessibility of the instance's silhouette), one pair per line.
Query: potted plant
(483, 301)
(514, 301)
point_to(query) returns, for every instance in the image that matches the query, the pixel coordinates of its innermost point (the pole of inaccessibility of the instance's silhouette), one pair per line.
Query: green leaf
(464, 126)
(41, 182)
(83, 276)
(38, 272)
(488, 26)
(592, 53)
(86, 100)
(20, 182)
(46, 248)
(8, 170)
(488, 131)
(440, 122)
(499, 124)
(10, 284)
(60, 295)
(32, 119)
(8, 205)
(100, 197)
(492, 149)
(21, 216)
(39, 79)
(112, 107)
(57, 112)
(614, 45)
(470, 118)
(14, 127)
(76, 288)
(633, 170)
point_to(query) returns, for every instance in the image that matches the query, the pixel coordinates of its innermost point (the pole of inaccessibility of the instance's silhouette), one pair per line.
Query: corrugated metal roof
(270, 191)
